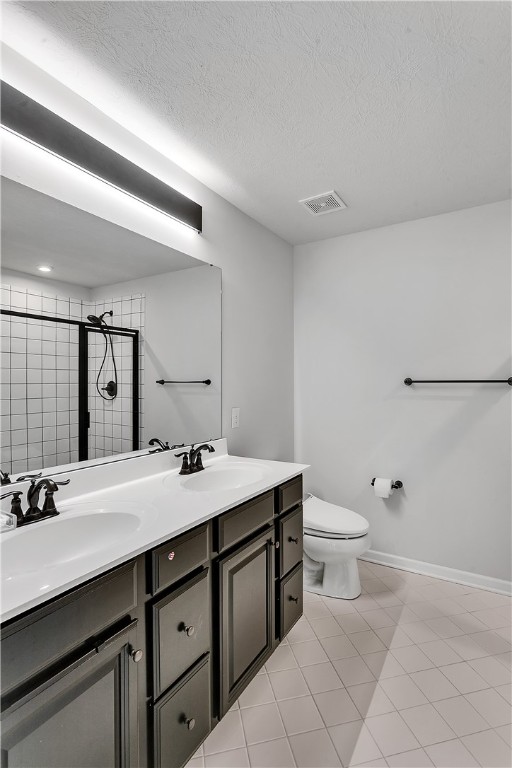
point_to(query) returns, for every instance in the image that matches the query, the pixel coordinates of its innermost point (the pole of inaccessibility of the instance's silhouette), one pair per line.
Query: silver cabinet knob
(189, 631)
(190, 723)
(137, 655)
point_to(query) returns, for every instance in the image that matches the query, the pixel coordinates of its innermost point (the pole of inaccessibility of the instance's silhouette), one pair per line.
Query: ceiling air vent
(328, 202)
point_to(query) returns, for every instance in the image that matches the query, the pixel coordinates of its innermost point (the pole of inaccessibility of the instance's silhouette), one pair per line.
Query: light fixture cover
(29, 119)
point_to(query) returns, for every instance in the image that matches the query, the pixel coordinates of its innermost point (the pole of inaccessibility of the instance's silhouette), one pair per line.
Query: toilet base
(340, 580)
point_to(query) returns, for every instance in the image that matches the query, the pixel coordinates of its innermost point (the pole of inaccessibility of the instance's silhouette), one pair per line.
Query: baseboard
(475, 580)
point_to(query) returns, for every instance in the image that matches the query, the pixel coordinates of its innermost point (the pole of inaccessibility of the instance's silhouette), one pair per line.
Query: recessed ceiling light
(45, 268)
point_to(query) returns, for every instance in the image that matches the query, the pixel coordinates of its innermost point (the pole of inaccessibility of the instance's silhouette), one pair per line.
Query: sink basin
(224, 478)
(71, 536)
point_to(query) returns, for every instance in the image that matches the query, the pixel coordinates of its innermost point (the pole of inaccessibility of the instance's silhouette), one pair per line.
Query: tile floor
(415, 672)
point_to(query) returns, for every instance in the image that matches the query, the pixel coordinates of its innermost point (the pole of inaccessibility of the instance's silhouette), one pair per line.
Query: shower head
(99, 320)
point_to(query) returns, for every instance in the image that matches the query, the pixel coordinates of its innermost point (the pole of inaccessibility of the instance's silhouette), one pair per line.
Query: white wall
(182, 340)
(425, 299)
(257, 266)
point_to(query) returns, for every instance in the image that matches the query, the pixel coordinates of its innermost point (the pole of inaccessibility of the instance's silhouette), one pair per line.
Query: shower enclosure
(70, 389)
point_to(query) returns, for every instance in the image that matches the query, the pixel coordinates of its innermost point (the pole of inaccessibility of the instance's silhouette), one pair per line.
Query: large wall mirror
(83, 346)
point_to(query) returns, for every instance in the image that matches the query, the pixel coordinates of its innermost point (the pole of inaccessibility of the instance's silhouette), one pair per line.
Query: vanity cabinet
(72, 688)
(136, 667)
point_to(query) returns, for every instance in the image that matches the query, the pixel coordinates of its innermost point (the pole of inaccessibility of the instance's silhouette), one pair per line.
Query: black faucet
(4, 478)
(34, 513)
(163, 446)
(192, 461)
(16, 509)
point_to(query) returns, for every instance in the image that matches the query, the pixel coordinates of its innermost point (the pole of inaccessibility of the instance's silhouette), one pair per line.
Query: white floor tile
(380, 617)
(383, 664)
(271, 754)
(391, 734)
(300, 715)
(468, 623)
(352, 622)
(310, 652)
(282, 658)
(403, 692)
(370, 699)
(489, 749)
(505, 691)
(365, 603)
(327, 627)
(434, 684)
(315, 610)
(379, 763)
(491, 706)
(288, 684)
(340, 647)
(439, 653)
(301, 631)
(314, 749)
(338, 607)
(419, 632)
(491, 642)
(258, 691)
(393, 637)
(427, 725)
(367, 642)
(336, 707)
(466, 647)
(451, 754)
(505, 731)
(262, 723)
(464, 677)
(195, 762)
(227, 735)
(234, 758)
(412, 658)
(444, 627)
(416, 758)
(401, 614)
(460, 716)
(353, 671)
(321, 677)
(354, 743)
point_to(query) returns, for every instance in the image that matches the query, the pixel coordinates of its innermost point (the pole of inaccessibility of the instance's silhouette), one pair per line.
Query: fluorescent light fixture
(40, 126)
(45, 268)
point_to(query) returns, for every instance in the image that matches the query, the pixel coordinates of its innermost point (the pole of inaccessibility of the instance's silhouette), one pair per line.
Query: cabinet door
(86, 717)
(246, 593)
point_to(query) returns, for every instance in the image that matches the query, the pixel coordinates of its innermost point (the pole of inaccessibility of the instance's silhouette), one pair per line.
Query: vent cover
(328, 202)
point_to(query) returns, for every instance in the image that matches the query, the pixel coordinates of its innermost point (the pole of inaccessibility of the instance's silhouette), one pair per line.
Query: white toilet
(334, 537)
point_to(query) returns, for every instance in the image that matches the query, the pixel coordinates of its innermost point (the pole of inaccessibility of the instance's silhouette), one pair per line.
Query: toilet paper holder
(395, 484)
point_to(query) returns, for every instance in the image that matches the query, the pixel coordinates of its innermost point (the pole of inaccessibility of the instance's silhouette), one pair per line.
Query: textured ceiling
(403, 108)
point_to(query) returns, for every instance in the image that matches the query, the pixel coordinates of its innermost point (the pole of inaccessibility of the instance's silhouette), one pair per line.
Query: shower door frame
(84, 422)
(83, 373)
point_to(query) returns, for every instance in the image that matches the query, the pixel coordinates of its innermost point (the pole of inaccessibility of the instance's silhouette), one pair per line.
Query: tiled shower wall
(39, 380)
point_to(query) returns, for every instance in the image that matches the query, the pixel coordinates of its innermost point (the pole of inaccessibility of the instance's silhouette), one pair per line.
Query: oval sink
(223, 478)
(63, 539)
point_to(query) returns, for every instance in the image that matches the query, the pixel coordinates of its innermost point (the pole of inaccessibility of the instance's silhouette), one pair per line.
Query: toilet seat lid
(330, 518)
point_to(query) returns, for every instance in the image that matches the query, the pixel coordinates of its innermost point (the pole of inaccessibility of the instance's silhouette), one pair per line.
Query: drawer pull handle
(295, 541)
(293, 599)
(190, 723)
(189, 630)
(170, 556)
(137, 655)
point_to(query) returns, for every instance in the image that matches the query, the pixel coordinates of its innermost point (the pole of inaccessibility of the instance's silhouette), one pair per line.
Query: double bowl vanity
(134, 620)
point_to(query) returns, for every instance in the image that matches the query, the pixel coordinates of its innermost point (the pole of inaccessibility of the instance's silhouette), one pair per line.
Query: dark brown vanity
(136, 667)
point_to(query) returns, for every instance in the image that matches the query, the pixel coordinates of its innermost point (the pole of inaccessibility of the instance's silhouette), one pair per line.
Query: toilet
(334, 537)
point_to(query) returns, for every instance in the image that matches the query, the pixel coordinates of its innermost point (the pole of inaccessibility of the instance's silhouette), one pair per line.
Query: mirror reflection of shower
(110, 387)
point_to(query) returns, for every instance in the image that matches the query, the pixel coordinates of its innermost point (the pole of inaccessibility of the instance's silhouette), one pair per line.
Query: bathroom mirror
(84, 345)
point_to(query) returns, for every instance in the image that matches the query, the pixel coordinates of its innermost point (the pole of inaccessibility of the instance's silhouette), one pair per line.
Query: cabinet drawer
(290, 494)
(235, 525)
(181, 631)
(182, 719)
(179, 556)
(290, 601)
(31, 645)
(290, 539)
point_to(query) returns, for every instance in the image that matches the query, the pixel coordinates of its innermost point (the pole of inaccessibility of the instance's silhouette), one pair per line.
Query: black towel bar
(408, 381)
(166, 381)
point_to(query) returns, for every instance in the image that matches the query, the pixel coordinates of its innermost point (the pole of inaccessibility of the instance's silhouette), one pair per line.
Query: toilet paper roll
(382, 487)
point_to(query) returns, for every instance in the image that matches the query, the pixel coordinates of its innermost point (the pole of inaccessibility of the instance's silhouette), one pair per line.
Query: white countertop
(149, 486)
